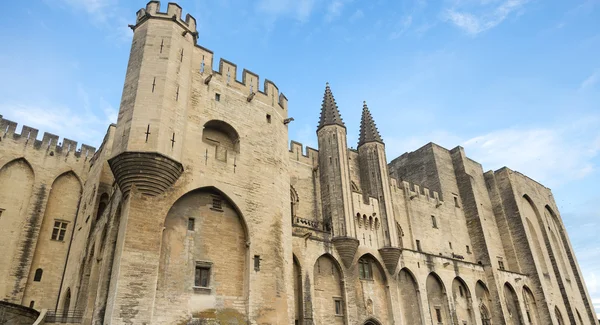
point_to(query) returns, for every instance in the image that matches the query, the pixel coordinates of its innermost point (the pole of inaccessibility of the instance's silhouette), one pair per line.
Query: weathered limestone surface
(196, 209)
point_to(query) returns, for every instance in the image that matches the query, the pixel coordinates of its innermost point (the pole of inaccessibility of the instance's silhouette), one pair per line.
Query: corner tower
(334, 175)
(375, 183)
(147, 148)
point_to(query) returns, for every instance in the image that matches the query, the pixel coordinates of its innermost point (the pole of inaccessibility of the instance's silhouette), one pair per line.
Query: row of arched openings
(328, 284)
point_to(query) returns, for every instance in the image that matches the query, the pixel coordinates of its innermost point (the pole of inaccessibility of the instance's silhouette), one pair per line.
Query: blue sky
(515, 82)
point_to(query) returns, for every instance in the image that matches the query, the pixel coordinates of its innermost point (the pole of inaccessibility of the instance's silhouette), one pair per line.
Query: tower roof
(330, 115)
(368, 129)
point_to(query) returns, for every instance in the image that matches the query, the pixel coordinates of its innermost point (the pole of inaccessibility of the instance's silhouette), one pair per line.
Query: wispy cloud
(590, 81)
(357, 15)
(488, 18)
(80, 124)
(334, 10)
(104, 14)
(401, 27)
(297, 9)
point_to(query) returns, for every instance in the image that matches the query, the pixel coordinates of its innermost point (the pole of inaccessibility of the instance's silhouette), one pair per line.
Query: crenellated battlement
(249, 84)
(173, 12)
(49, 142)
(416, 191)
(311, 157)
(203, 59)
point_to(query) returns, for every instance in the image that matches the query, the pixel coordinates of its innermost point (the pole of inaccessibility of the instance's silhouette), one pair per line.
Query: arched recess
(572, 264)
(329, 301)
(512, 305)
(410, 302)
(103, 202)
(16, 189)
(293, 202)
(53, 239)
(298, 297)
(66, 303)
(437, 300)
(484, 302)
(208, 262)
(579, 319)
(531, 309)
(462, 302)
(535, 226)
(558, 314)
(372, 321)
(371, 289)
(223, 136)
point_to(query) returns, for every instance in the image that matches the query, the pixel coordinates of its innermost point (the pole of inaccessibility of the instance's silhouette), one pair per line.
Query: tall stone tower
(334, 174)
(375, 183)
(154, 103)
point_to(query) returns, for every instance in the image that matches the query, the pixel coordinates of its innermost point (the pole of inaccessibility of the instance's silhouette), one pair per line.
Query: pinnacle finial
(368, 129)
(330, 115)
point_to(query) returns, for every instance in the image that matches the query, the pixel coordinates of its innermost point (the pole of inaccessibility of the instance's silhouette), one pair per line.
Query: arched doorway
(203, 256)
(485, 303)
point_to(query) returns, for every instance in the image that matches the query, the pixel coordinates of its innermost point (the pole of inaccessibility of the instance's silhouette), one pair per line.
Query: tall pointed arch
(437, 299)
(410, 302)
(462, 302)
(329, 301)
(17, 179)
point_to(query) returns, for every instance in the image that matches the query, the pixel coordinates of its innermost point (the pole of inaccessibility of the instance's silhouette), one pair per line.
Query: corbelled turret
(330, 115)
(368, 129)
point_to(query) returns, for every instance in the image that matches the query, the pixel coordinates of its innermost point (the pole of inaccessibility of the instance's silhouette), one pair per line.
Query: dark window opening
(59, 230)
(456, 202)
(500, 265)
(438, 314)
(433, 222)
(202, 278)
(338, 307)
(468, 250)
(460, 290)
(31, 304)
(217, 97)
(268, 118)
(364, 269)
(191, 224)
(1, 210)
(38, 275)
(217, 203)
(418, 245)
(450, 244)
(256, 262)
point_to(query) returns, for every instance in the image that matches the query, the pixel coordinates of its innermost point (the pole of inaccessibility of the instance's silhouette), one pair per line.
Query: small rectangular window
(438, 314)
(468, 250)
(456, 202)
(433, 222)
(31, 304)
(59, 230)
(418, 245)
(500, 265)
(460, 290)
(1, 211)
(202, 277)
(338, 307)
(191, 224)
(217, 97)
(217, 203)
(268, 118)
(256, 262)
(450, 244)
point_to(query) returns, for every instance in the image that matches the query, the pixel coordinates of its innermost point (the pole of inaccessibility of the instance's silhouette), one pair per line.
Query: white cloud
(82, 125)
(490, 17)
(590, 81)
(298, 9)
(334, 10)
(357, 15)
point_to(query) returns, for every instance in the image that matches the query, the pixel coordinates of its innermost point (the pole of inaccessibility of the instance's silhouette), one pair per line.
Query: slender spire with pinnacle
(330, 115)
(368, 129)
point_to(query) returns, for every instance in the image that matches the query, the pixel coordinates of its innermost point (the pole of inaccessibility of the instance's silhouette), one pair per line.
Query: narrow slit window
(433, 222)
(468, 249)
(338, 307)
(460, 290)
(418, 245)
(268, 118)
(256, 262)
(438, 314)
(1, 211)
(191, 224)
(217, 97)
(38, 275)
(456, 202)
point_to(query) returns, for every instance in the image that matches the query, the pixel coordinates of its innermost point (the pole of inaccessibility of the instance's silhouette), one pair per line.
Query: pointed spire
(368, 129)
(330, 115)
